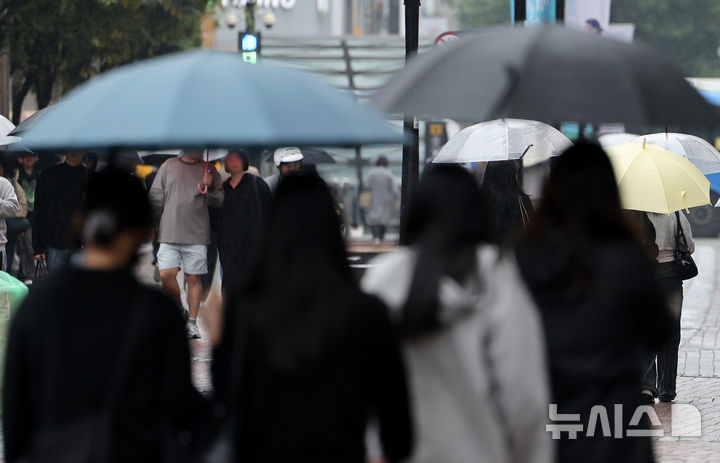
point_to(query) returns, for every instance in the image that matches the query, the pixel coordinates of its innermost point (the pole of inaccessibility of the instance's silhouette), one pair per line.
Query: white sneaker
(193, 332)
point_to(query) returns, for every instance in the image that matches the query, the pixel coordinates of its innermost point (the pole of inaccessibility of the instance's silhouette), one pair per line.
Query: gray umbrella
(547, 74)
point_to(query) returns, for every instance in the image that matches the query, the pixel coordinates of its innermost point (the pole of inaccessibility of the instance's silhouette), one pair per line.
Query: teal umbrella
(205, 99)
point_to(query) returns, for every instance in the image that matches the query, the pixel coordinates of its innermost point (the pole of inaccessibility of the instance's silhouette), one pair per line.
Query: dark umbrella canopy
(316, 156)
(549, 74)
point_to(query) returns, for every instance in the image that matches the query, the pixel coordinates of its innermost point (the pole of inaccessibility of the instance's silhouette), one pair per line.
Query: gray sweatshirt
(480, 385)
(8, 207)
(184, 215)
(665, 229)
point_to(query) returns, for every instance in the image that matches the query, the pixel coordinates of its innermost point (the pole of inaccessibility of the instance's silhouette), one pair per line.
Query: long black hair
(582, 198)
(580, 209)
(446, 222)
(501, 187)
(300, 279)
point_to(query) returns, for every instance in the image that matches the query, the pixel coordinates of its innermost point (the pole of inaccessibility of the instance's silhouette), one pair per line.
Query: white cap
(287, 154)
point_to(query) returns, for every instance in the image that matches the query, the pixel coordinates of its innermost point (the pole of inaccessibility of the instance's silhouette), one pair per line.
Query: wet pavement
(699, 364)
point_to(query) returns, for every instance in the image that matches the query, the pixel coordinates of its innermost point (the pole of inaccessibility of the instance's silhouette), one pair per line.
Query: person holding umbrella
(288, 160)
(184, 232)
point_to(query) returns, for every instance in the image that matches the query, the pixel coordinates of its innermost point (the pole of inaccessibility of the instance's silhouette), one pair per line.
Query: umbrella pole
(411, 148)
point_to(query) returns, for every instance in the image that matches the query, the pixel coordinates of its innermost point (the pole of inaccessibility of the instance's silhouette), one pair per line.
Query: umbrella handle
(202, 188)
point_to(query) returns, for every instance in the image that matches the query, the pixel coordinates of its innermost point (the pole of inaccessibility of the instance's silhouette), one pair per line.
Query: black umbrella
(549, 74)
(316, 156)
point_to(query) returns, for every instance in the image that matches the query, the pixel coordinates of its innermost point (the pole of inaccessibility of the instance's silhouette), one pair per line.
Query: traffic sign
(249, 44)
(446, 38)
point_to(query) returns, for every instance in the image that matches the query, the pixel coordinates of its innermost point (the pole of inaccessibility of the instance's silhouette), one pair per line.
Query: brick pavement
(698, 364)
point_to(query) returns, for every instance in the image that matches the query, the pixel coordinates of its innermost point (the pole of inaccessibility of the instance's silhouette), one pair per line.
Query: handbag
(684, 262)
(41, 270)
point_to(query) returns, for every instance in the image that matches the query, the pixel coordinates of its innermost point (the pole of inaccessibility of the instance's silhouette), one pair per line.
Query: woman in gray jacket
(472, 336)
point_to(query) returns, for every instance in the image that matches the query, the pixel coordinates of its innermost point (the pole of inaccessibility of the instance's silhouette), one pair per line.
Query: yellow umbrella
(652, 179)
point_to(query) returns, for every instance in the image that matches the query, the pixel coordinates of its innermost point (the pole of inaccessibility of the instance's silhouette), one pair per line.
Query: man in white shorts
(182, 192)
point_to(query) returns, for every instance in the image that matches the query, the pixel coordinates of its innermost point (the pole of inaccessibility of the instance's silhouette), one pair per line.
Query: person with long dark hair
(306, 357)
(472, 335)
(593, 282)
(98, 367)
(508, 207)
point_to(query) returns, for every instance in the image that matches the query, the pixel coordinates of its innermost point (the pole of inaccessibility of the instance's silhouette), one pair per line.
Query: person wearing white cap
(288, 160)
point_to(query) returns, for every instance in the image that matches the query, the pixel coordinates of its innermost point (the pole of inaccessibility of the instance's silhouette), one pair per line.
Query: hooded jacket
(479, 383)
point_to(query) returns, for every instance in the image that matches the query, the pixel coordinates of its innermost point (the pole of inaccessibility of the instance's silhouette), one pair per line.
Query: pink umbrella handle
(202, 188)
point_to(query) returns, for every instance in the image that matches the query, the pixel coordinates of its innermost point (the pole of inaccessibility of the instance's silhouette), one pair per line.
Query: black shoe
(666, 398)
(647, 397)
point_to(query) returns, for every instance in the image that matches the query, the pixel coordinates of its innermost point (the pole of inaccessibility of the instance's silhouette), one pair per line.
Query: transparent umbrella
(503, 140)
(694, 149)
(618, 138)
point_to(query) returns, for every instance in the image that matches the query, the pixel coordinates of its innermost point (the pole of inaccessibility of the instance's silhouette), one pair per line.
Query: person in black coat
(58, 196)
(98, 366)
(240, 220)
(306, 358)
(594, 285)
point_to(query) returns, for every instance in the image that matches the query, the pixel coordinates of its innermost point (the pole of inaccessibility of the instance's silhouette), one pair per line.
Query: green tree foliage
(68, 41)
(686, 31)
(472, 14)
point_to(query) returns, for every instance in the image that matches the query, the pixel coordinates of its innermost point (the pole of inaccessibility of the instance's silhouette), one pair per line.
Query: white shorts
(192, 258)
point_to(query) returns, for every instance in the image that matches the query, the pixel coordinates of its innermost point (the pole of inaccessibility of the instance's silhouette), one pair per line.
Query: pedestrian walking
(594, 285)
(288, 160)
(471, 333)
(58, 196)
(18, 224)
(246, 200)
(509, 208)
(8, 208)
(185, 226)
(673, 234)
(27, 176)
(380, 184)
(301, 368)
(98, 365)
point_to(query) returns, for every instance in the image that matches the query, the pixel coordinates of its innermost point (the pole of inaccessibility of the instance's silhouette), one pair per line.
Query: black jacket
(319, 415)
(65, 345)
(603, 314)
(58, 196)
(240, 223)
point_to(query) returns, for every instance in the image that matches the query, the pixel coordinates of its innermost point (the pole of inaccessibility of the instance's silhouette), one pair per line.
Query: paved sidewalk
(698, 364)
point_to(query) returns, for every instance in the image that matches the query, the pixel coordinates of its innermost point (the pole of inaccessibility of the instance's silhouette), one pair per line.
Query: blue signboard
(536, 11)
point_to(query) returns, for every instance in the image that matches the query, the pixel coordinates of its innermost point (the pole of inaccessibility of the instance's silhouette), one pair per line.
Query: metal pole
(250, 17)
(5, 83)
(411, 150)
